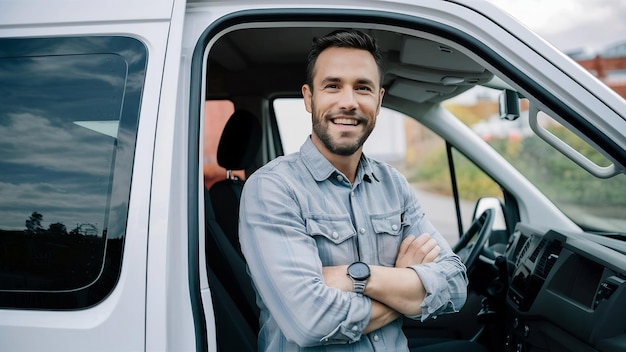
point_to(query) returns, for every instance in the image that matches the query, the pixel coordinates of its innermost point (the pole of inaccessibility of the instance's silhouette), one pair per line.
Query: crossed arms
(393, 291)
(308, 302)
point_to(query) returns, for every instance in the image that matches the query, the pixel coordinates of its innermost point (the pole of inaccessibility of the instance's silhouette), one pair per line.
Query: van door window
(68, 118)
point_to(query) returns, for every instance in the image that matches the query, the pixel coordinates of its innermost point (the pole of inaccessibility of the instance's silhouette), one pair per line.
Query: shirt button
(352, 193)
(339, 178)
(362, 231)
(376, 338)
(394, 227)
(335, 235)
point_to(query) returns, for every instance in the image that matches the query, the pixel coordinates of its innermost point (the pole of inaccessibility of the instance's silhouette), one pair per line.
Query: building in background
(609, 65)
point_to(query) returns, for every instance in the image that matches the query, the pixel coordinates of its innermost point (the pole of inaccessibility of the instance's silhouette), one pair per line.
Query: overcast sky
(571, 25)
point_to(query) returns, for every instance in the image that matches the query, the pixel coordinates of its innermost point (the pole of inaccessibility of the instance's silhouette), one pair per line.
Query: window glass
(595, 204)
(472, 183)
(294, 123)
(427, 169)
(68, 119)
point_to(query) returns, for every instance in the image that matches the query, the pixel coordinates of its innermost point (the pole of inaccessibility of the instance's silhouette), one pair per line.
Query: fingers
(429, 247)
(432, 253)
(417, 250)
(406, 243)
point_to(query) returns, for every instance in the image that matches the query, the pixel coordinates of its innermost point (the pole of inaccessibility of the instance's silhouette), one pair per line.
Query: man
(336, 243)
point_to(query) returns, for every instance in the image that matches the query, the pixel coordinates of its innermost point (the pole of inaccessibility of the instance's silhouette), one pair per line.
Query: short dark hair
(343, 38)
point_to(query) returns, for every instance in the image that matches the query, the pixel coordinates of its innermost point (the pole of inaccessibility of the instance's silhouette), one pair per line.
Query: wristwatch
(359, 272)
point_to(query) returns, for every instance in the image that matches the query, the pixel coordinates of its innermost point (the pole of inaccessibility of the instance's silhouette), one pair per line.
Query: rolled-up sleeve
(350, 330)
(445, 279)
(286, 269)
(445, 285)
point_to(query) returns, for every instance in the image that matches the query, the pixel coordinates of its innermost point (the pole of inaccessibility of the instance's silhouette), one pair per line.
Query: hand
(417, 250)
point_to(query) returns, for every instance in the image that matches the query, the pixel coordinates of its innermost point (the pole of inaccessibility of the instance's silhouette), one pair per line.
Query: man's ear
(380, 100)
(307, 94)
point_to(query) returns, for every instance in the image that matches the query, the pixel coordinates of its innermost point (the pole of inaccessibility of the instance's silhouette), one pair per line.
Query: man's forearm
(399, 288)
(336, 276)
(381, 316)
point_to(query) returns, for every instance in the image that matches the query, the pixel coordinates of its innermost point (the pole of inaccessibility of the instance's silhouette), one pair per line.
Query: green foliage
(432, 172)
(540, 164)
(573, 184)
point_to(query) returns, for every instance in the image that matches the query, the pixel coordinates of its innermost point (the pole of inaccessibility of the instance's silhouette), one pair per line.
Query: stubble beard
(320, 129)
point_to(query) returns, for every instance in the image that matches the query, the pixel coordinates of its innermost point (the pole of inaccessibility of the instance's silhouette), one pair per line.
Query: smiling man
(344, 102)
(337, 244)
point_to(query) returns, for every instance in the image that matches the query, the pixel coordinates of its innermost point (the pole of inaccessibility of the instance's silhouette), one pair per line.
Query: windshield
(593, 203)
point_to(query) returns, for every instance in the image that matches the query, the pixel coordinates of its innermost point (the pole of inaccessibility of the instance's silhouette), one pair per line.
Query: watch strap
(359, 286)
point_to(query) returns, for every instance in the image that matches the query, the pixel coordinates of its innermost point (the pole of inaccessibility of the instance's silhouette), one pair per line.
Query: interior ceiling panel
(418, 69)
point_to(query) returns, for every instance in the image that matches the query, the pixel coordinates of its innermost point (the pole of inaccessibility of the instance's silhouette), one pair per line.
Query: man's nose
(347, 99)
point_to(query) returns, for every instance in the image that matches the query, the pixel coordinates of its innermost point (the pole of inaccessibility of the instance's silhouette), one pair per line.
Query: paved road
(440, 211)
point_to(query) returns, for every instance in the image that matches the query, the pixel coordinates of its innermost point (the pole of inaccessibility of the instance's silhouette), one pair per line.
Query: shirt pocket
(389, 230)
(334, 237)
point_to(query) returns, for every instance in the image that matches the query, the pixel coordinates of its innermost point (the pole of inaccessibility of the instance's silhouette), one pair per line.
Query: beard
(320, 129)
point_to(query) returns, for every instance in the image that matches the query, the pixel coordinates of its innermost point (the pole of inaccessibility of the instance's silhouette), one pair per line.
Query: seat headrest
(240, 141)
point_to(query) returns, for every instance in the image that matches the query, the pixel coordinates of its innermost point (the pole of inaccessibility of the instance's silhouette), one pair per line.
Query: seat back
(237, 149)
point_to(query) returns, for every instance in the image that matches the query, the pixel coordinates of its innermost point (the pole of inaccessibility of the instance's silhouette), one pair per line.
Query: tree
(57, 229)
(33, 224)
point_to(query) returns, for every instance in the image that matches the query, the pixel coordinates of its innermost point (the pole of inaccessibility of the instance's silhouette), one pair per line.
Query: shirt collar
(320, 168)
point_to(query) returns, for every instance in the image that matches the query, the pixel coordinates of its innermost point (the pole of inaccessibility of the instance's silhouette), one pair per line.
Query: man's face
(345, 99)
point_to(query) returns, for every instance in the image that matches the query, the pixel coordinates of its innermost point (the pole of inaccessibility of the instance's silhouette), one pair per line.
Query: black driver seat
(236, 312)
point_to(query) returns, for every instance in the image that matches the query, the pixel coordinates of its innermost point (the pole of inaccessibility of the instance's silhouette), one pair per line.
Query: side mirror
(494, 203)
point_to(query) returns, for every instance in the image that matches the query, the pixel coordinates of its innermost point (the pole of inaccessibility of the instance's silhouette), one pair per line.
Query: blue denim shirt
(298, 214)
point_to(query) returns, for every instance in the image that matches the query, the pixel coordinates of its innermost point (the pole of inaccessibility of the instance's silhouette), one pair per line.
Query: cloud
(67, 203)
(33, 140)
(59, 170)
(577, 24)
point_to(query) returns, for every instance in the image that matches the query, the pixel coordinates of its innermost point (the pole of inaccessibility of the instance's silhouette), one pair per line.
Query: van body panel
(170, 320)
(17, 13)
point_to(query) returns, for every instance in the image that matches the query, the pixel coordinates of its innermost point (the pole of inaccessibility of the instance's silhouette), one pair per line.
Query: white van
(116, 213)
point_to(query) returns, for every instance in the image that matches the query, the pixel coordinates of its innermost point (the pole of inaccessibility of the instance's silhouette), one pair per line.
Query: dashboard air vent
(548, 258)
(522, 251)
(537, 250)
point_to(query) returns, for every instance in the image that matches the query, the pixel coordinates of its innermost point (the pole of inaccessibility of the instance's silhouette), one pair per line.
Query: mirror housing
(509, 105)
(494, 203)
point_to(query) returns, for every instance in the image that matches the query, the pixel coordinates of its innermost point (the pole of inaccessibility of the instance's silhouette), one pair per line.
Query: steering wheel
(482, 227)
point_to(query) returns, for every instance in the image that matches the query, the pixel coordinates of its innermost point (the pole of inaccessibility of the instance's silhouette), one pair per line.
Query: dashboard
(567, 292)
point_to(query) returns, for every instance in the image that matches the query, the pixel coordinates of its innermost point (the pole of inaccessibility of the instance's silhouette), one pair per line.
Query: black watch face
(359, 271)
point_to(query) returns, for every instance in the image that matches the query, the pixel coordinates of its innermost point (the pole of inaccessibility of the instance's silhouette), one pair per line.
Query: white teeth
(346, 122)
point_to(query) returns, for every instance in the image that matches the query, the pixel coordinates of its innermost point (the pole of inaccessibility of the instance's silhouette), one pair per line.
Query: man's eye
(331, 86)
(364, 88)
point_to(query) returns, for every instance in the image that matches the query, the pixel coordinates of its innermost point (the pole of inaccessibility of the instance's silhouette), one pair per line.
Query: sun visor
(418, 91)
(426, 53)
